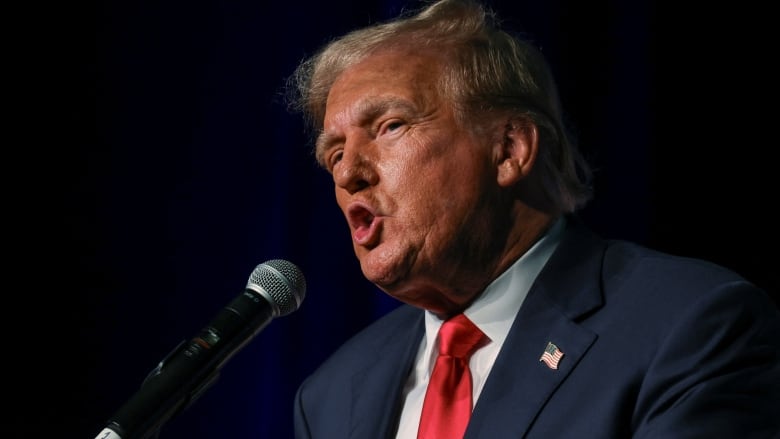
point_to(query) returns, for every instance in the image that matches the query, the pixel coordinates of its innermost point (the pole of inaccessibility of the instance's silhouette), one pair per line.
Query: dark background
(158, 167)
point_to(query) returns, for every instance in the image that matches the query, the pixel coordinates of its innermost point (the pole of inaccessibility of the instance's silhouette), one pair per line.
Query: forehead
(401, 83)
(397, 74)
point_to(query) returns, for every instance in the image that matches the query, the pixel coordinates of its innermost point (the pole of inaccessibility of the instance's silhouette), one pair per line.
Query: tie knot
(459, 337)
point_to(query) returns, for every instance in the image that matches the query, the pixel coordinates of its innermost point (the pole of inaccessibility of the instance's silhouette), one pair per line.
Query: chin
(389, 266)
(382, 278)
(381, 272)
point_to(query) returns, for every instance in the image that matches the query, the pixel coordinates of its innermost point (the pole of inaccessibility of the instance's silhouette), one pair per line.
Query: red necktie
(447, 406)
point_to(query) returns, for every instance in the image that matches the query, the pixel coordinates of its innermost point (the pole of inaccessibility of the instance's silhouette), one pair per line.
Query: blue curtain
(178, 169)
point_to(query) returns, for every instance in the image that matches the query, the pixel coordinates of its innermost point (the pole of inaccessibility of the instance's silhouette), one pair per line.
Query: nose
(356, 170)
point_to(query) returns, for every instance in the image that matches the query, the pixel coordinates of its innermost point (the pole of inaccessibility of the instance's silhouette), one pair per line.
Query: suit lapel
(376, 389)
(519, 383)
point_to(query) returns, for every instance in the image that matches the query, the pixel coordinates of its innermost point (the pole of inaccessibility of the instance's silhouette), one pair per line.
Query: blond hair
(487, 70)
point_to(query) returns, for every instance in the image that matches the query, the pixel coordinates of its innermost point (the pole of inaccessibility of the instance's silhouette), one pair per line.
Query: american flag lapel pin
(551, 356)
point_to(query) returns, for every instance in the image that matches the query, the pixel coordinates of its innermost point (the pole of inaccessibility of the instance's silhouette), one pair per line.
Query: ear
(520, 144)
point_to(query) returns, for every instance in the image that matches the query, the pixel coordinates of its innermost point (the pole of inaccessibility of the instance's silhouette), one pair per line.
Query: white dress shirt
(493, 312)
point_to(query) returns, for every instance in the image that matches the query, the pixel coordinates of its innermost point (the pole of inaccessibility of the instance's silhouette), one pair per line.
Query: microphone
(275, 288)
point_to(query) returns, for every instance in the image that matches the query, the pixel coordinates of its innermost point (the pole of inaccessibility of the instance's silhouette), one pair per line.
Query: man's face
(418, 189)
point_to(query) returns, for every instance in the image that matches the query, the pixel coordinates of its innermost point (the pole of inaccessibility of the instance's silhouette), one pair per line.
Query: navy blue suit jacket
(655, 346)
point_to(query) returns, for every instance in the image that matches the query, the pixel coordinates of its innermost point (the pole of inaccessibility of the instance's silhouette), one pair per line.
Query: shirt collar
(495, 309)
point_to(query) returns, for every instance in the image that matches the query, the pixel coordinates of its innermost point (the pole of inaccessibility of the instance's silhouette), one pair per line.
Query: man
(460, 184)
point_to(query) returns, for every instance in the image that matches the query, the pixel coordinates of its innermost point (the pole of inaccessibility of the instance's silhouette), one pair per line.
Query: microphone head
(281, 282)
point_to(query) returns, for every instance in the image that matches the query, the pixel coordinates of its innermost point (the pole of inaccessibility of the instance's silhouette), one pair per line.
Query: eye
(334, 158)
(391, 126)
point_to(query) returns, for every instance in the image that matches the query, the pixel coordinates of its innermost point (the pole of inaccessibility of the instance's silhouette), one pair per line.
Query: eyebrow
(367, 111)
(322, 144)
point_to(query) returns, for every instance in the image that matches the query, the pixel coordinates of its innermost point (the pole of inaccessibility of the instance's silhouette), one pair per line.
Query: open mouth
(363, 223)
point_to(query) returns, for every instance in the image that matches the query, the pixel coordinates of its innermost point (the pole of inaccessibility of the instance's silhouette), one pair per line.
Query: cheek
(434, 187)
(395, 169)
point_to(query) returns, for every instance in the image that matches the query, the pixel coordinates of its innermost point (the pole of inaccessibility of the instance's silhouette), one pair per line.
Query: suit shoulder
(658, 280)
(632, 260)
